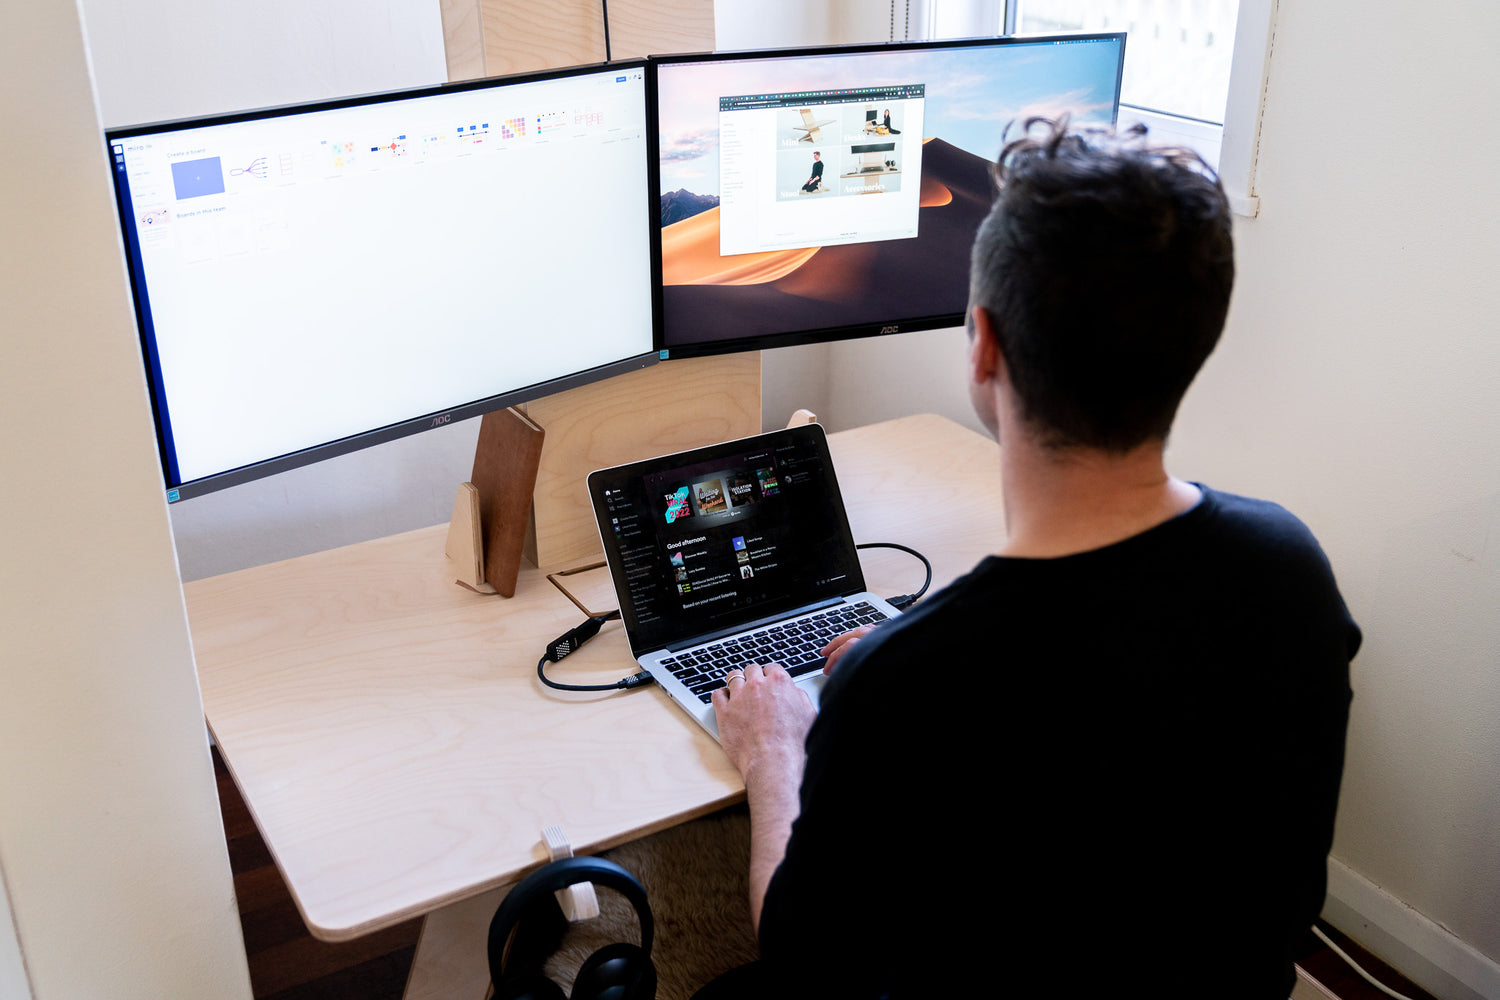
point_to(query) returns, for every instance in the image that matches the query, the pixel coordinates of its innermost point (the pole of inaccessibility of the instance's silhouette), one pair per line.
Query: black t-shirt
(1102, 773)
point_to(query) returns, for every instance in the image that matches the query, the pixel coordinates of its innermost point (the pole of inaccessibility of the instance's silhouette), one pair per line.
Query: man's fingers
(841, 644)
(840, 641)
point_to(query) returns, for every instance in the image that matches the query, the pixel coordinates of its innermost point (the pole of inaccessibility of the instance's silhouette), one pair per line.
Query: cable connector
(570, 640)
(905, 600)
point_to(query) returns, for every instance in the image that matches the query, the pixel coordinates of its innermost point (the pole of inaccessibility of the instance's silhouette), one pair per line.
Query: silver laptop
(732, 554)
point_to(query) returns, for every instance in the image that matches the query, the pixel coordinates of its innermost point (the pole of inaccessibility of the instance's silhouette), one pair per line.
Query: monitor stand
(532, 501)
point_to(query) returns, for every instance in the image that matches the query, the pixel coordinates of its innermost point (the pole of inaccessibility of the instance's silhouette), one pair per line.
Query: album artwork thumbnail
(767, 479)
(678, 506)
(710, 495)
(741, 491)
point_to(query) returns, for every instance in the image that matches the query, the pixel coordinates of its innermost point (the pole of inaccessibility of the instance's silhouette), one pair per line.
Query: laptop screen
(712, 539)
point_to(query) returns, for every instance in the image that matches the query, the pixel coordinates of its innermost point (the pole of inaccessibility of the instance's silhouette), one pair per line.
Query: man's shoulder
(1261, 530)
(966, 596)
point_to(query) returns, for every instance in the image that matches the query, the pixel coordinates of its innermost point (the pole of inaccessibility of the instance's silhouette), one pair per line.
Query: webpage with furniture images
(820, 167)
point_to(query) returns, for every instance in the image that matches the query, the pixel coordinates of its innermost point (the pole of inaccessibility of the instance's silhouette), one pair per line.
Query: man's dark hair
(1105, 266)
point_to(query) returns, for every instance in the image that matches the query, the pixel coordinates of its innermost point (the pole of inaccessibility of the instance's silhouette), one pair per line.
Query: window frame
(1239, 137)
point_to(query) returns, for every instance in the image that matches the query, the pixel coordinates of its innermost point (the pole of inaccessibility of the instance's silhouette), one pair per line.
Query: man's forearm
(772, 791)
(764, 719)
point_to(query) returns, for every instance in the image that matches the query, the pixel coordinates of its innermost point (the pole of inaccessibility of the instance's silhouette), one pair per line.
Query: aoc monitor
(824, 194)
(311, 280)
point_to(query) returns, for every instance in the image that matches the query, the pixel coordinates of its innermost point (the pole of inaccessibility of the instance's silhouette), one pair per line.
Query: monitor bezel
(824, 334)
(178, 489)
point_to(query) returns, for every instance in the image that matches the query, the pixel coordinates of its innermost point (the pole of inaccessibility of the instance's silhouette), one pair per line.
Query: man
(1128, 783)
(817, 174)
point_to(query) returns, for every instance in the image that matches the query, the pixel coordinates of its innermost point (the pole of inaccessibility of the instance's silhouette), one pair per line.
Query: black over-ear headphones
(531, 924)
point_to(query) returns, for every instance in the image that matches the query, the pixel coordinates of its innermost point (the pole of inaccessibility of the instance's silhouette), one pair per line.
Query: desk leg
(451, 962)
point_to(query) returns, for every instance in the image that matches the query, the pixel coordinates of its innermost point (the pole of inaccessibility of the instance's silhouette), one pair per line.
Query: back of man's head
(1105, 267)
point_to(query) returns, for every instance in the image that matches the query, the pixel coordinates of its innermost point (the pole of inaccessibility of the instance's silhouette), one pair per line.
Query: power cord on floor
(1341, 953)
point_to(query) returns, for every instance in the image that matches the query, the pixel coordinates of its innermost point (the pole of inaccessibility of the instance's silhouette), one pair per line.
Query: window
(1177, 56)
(1195, 70)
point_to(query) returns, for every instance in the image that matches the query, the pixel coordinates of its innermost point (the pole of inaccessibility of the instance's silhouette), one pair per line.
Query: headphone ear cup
(533, 938)
(616, 972)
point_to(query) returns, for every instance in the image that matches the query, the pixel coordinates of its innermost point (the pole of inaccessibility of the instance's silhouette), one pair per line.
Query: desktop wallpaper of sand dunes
(971, 93)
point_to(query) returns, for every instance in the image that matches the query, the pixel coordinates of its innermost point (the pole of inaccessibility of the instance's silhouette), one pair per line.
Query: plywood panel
(520, 37)
(669, 407)
(463, 39)
(643, 28)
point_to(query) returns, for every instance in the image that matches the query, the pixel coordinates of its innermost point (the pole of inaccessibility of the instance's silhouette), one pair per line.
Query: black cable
(604, 7)
(569, 642)
(905, 600)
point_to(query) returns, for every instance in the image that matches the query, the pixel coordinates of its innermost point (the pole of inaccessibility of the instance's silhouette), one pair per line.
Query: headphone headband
(560, 874)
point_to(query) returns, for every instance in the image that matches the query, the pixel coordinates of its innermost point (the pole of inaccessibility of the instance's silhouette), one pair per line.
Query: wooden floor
(1343, 982)
(286, 963)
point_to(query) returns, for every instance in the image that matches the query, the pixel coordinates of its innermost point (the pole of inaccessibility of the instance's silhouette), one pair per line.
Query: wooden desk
(399, 756)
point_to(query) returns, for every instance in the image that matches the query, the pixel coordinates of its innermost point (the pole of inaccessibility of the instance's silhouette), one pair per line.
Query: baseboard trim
(1420, 949)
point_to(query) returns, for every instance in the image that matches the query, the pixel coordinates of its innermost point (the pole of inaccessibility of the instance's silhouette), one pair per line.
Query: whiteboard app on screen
(315, 275)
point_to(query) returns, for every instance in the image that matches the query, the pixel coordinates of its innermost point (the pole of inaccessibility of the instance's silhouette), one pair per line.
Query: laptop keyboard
(794, 645)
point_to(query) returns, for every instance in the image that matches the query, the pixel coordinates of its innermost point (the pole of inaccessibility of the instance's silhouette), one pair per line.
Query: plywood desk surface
(390, 737)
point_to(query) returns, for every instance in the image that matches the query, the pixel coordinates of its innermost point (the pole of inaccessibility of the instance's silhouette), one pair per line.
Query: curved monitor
(823, 194)
(312, 280)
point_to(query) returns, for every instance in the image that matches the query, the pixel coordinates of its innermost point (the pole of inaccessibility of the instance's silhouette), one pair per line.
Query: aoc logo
(440, 421)
(889, 329)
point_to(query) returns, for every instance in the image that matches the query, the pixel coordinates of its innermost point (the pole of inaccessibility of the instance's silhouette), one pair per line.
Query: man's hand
(841, 644)
(763, 721)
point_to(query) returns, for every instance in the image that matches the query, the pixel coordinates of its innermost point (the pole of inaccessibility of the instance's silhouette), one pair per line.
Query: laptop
(732, 554)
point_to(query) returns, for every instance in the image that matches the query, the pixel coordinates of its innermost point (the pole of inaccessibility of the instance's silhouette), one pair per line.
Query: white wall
(116, 875)
(156, 60)
(1359, 383)
(13, 982)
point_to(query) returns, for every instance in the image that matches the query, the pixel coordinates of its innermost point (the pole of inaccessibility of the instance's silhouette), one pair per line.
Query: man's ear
(985, 360)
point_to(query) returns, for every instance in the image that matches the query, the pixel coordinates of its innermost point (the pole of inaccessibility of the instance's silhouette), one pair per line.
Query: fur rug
(694, 876)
